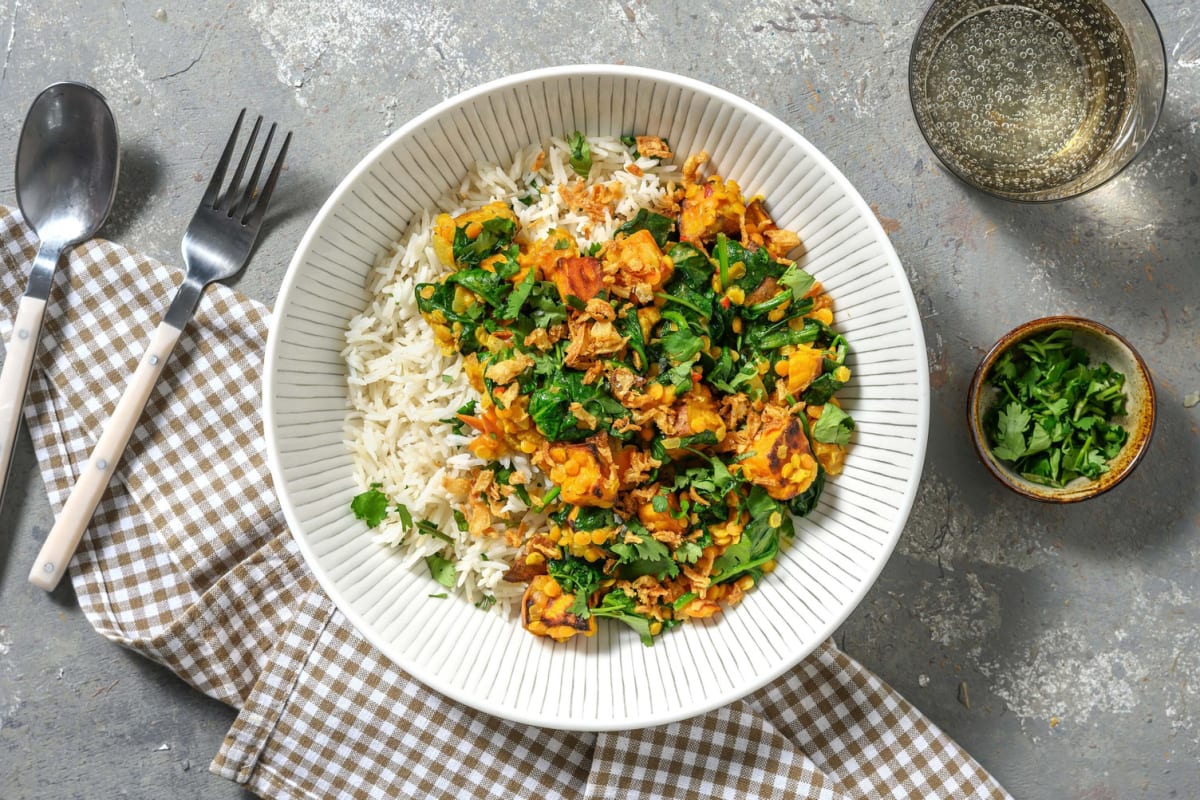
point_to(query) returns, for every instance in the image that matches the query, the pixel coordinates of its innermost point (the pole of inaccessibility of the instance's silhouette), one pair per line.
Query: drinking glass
(1037, 100)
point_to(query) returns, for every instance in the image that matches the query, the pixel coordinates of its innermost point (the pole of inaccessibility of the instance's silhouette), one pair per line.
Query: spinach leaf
(631, 329)
(488, 286)
(679, 343)
(439, 298)
(496, 234)
(758, 266)
(590, 518)
(549, 410)
(781, 298)
(660, 227)
(549, 406)
(457, 426)
(760, 538)
(802, 504)
(692, 268)
(825, 384)
(760, 339)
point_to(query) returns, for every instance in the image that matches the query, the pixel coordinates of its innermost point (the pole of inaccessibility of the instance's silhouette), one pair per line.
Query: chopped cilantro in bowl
(1061, 409)
(1054, 419)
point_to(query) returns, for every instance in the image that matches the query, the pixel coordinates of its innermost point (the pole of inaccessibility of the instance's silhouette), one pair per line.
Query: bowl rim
(975, 397)
(271, 358)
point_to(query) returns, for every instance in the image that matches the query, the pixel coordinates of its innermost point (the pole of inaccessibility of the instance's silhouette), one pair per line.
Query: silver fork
(216, 246)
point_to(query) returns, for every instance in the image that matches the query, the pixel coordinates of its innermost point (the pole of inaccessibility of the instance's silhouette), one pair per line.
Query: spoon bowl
(68, 158)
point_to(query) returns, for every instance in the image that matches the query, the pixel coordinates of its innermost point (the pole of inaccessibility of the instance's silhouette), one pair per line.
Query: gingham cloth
(188, 562)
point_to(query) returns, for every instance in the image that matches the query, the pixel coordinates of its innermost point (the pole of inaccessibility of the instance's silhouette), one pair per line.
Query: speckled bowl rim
(1139, 439)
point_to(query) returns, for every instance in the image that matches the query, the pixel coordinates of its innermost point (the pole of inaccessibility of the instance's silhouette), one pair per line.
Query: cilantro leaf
(370, 506)
(441, 569)
(1039, 441)
(427, 528)
(798, 281)
(688, 552)
(545, 306)
(834, 426)
(576, 577)
(518, 297)
(581, 154)
(620, 606)
(645, 557)
(1010, 432)
(1055, 421)
(406, 519)
(648, 549)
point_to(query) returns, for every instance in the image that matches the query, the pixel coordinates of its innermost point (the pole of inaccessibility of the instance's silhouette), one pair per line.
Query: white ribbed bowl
(610, 681)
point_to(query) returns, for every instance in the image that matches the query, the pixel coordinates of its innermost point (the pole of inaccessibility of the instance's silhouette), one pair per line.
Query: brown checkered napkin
(188, 562)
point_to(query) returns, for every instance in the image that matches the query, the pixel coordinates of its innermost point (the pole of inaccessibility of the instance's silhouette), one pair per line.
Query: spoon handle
(14, 378)
(89, 488)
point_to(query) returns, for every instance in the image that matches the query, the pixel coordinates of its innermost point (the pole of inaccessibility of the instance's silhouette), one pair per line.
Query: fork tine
(214, 185)
(232, 191)
(239, 210)
(256, 215)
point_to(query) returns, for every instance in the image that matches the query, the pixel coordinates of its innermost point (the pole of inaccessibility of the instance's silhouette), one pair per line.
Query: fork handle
(14, 378)
(77, 512)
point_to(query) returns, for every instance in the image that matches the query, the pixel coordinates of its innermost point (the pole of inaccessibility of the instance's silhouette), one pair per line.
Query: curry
(675, 384)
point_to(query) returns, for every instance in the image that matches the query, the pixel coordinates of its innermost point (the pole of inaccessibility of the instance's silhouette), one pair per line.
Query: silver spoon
(68, 157)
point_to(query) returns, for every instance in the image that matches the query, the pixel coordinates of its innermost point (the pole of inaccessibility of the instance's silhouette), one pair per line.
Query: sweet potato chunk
(578, 276)
(695, 413)
(709, 208)
(636, 266)
(781, 460)
(543, 255)
(665, 521)
(545, 611)
(586, 478)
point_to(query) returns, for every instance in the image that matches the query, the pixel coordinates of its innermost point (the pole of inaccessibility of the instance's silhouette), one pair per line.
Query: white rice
(401, 386)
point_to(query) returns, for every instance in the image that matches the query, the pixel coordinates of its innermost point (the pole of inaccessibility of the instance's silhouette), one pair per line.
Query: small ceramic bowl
(1102, 344)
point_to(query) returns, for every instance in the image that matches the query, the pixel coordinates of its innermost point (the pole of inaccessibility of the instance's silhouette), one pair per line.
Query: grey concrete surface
(1075, 628)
